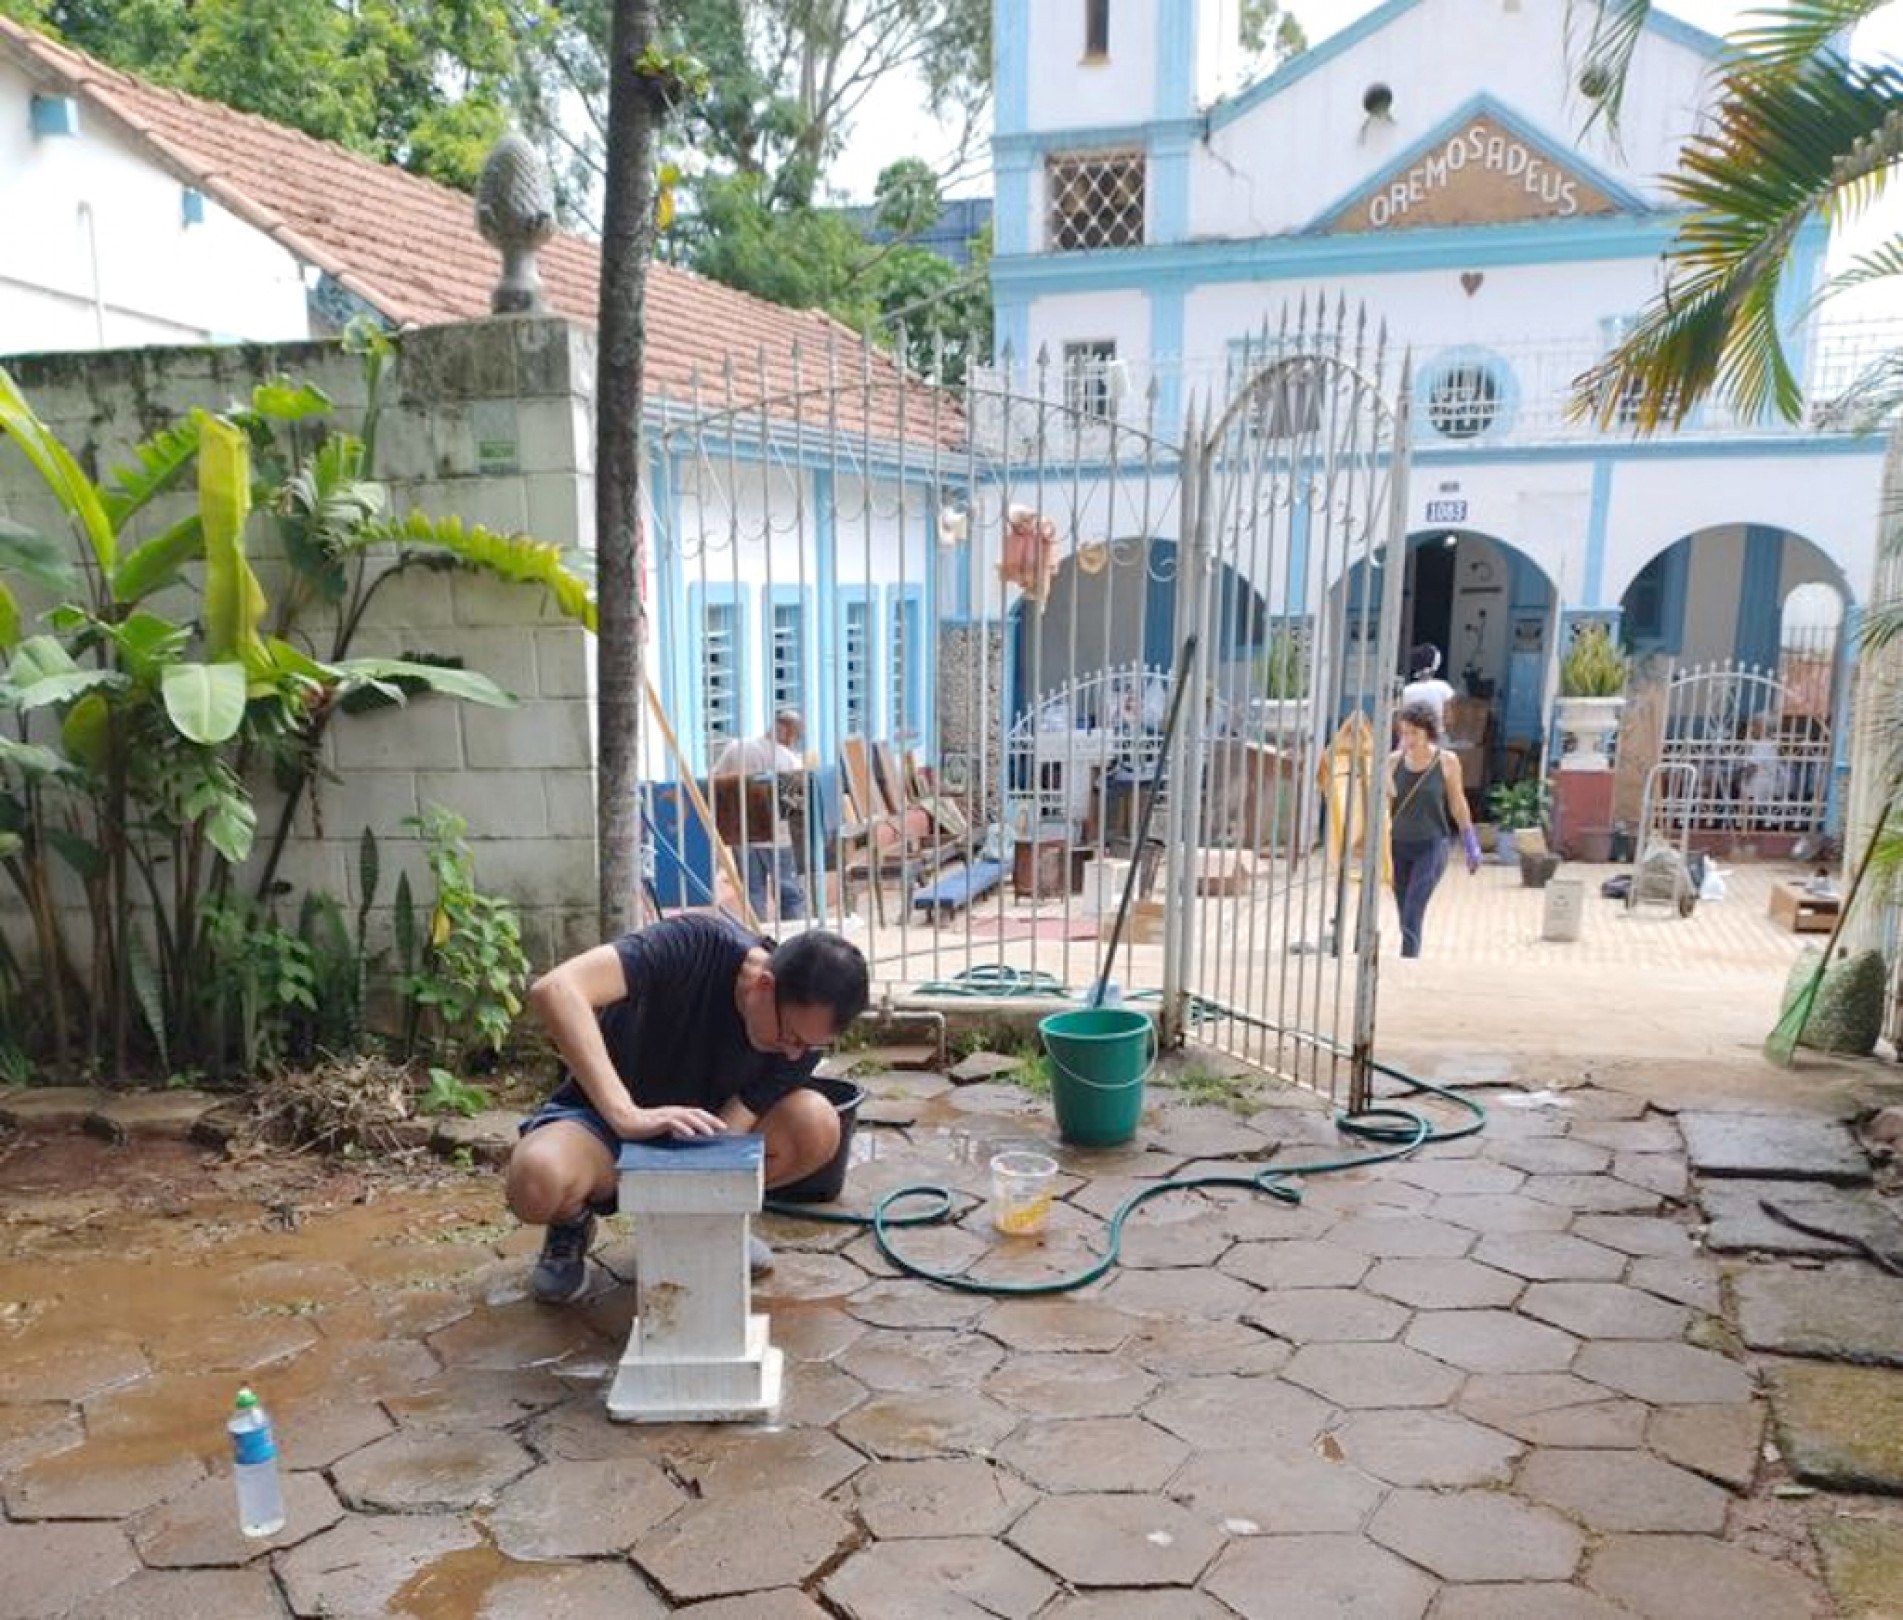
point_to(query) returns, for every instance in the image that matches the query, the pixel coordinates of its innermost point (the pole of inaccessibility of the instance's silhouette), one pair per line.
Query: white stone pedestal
(696, 1354)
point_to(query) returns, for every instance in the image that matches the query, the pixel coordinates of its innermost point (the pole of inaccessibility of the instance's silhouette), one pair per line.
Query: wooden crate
(1794, 907)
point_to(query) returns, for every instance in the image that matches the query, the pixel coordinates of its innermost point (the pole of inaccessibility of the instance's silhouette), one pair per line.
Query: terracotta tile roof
(410, 249)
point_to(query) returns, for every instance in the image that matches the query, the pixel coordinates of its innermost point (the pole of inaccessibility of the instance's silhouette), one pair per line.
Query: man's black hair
(818, 969)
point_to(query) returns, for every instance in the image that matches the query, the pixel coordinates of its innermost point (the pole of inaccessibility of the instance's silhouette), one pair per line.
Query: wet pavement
(1526, 1373)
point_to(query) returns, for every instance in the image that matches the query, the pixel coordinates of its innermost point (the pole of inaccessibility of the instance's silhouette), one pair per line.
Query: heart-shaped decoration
(1470, 281)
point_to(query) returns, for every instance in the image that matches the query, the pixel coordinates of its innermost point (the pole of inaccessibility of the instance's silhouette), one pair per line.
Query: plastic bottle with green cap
(254, 1455)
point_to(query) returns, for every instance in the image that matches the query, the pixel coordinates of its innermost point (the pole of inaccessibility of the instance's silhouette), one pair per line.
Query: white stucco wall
(1280, 164)
(97, 254)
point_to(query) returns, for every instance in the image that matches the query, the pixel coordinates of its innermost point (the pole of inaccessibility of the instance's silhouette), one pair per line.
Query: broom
(1780, 1046)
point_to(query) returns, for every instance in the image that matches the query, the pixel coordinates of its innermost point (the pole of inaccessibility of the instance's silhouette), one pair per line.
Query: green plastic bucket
(1100, 1057)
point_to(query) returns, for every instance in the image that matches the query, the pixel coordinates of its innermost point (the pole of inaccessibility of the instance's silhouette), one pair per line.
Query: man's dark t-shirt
(678, 1039)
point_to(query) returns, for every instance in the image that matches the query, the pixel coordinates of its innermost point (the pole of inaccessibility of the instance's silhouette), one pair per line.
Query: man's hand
(643, 1124)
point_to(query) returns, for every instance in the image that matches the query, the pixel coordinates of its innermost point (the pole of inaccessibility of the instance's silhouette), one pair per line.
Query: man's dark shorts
(570, 1102)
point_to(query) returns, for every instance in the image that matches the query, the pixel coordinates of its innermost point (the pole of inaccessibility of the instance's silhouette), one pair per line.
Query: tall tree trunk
(627, 244)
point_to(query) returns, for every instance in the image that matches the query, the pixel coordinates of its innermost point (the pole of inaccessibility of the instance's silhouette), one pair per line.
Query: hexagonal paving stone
(1117, 1540)
(1636, 1235)
(1696, 1282)
(1094, 1454)
(1180, 1293)
(782, 1603)
(59, 1371)
(1153, 1246)
(1364, 1375)
(188, 1594)
(952, 1496)
(1222, 1412)
(719, 1459)
(101, 1479)
(361, 1565)
(1478, 1536)
(1623, 1490)
(1518, 1599)
(1696, 1578)
(1599, 1195)
(814, 1333)
(1721, 1442)
(1245, 1493)
(418, 1470)
(1167, 1604)
(1605, 1311)
(1663, 1374)
(925, 1360)
(1190, 1348)
(520, 1334)
(1553, 1409)
(1427, 1449)
(595, 1590)
(945, 1247)
(1491, 1341)
(1556, 1156)
(37, 1430)
(716, 1548)
(57, 1568)
(1274, 1577)
(1502, 1212)
(1661, 1173)
(480, 1398)
(198, 1529)
(1450, 1285)
(1057, 1386)
(1296, 1263)
(896, 1303)
(1550, 1257)
(1401, 1236)
(582, 1509)
(1309, 1315)
(817, 1395)
(968, 1578)
(1459, 1178)
(1654, 1134)
(1061, 1324)
(929, 1423)
(800, 1279)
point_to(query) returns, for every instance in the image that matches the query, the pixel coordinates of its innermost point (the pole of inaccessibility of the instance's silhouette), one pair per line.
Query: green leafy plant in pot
(1513, 807)
(1592, 680)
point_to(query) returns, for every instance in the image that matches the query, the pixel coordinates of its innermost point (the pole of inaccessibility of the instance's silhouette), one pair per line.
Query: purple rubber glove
(1470, 841)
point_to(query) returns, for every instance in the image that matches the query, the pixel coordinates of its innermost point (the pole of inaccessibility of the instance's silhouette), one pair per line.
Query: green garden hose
(1401, 1130)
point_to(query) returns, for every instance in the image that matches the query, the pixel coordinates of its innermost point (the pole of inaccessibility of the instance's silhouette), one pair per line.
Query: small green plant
(449, 1095)
(1514, 805)
(1212, 1088)
(1034, 1074)
(263, 974)
(1594, 666)
(1282, 669)
(472, 970)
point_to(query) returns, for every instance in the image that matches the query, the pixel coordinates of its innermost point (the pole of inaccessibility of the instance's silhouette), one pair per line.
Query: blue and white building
(1437, 163)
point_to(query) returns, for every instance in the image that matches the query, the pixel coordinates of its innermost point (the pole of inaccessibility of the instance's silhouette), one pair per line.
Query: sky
(893, 122)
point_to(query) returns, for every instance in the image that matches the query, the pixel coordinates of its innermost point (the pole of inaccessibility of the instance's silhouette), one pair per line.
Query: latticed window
(788, 656)
(1087, 376)
(720, 672)
(1096, 201)
(1464, 401)
(858, 661)
(906, 695)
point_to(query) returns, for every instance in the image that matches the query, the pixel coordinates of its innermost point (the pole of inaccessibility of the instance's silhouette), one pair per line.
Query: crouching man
(687, 1028)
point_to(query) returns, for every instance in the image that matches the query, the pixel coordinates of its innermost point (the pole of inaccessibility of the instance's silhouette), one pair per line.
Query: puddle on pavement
(456, 1585)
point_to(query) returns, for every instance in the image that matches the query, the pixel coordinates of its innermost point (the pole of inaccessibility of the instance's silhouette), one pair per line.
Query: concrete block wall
(491, 422)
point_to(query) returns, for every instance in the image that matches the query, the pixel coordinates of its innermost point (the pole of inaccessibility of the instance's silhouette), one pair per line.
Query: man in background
(773, 871)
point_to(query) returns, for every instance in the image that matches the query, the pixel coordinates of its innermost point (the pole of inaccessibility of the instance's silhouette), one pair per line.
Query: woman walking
(1426, 801)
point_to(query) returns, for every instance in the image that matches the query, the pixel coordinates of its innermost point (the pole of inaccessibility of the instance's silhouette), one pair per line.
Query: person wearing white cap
(772, 868)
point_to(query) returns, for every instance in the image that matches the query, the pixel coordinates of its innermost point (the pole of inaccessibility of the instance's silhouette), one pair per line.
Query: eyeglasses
(794, 1043)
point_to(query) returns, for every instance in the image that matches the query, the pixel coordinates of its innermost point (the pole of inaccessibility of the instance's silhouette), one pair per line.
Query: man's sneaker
(759, 1256)
(561, 1274)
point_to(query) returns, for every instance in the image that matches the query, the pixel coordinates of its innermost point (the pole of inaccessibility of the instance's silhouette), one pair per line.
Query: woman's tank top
(1420, 803)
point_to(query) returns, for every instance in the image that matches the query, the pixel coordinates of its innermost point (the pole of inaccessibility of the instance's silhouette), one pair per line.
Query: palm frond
(1879, 264)
(515, 558)
(1778, 153)
(1778, 39)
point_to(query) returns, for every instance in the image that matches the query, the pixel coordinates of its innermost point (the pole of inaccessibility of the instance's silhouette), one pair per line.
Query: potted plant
(1592, 677)
(1281, 683)
(1514, 806)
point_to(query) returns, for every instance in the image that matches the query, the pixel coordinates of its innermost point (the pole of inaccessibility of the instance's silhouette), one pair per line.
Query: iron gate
(976, 597)
(1760, 752)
